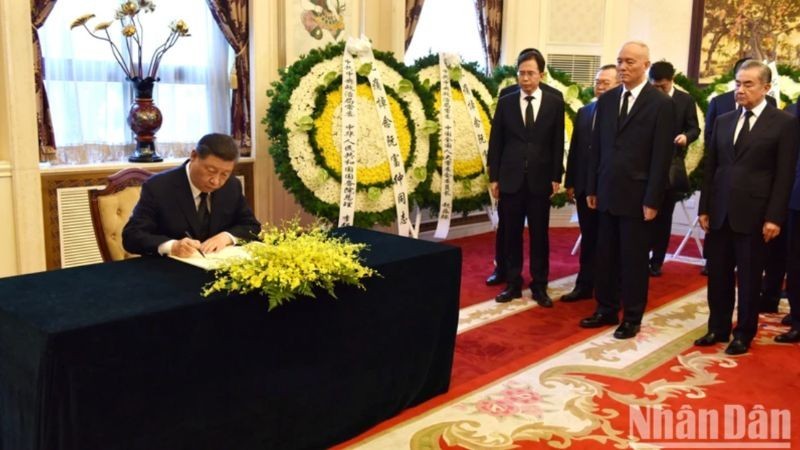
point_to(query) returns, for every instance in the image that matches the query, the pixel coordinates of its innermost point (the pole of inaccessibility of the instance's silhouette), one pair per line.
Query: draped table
(128, 355)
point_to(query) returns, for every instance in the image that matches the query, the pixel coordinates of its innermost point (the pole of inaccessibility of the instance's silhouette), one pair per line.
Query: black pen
(198, 250)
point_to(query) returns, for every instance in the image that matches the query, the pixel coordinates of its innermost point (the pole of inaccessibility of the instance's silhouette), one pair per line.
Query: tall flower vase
(144, 119)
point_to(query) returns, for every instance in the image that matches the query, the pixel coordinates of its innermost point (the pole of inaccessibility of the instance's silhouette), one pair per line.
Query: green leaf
(466, 183)
(430, 127)
(373, 193)
(365, 69)
(305, 123)
(420, 173)
(572, 92)
(329, 77)
(404, 86)
(426, 84)
(455, 73)
(721, 88)
(322, 175)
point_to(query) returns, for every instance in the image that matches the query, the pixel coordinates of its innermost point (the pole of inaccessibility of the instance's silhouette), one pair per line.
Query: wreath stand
(692, 232)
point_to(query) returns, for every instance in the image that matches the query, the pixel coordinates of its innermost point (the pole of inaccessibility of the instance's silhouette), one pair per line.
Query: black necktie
(623, 112)
(203, 217)
(740, 140)
(529, 112)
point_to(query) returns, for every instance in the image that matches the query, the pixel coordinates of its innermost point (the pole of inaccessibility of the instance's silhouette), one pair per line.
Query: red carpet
(495, 350)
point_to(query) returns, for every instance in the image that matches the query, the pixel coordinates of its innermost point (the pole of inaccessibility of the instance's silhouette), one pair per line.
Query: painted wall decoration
(313, 24)
(732, 29)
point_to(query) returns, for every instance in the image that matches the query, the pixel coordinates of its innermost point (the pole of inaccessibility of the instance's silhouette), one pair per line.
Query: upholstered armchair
(112, 207)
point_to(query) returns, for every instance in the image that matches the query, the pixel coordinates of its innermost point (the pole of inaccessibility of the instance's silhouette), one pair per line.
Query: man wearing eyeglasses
(630, 159)
(526, 149)
(575, 182)
(498, 275)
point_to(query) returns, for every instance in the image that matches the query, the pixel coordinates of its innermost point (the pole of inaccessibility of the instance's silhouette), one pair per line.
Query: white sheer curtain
(89, 96)
(447, 26)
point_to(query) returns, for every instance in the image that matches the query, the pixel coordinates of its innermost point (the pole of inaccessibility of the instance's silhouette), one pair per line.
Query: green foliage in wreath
(281, 92)
(431, 199)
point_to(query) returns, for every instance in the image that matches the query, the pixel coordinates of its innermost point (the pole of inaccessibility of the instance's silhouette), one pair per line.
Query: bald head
(633, 62)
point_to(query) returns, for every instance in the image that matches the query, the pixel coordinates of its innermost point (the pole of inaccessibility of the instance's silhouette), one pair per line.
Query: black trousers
(774, 270)
(621, 266)
(587, 220)
(516, 208)
(793, 266)
(734, 258)
(662, 229)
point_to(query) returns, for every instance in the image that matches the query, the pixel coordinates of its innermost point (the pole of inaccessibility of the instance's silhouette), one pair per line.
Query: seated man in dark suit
(748, 178)
(198, 206)
(687, 130)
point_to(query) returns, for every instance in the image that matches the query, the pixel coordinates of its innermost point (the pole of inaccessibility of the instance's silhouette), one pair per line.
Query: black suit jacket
(511, 145)
(685, 119)
(794, 201)
(579, 148)
(166, 210)
(630, 162)
(720, 105)
(753, 186)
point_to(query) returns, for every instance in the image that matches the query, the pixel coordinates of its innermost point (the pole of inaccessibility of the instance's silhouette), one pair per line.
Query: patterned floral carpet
(525, 377)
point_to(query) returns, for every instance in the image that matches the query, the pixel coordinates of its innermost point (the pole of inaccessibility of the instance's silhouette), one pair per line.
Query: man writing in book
(195, 207)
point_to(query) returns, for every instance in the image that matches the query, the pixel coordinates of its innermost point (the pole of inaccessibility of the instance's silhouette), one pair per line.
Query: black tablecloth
(128, 355)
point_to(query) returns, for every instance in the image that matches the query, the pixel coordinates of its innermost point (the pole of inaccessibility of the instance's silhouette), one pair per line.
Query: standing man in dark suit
(498, 276)
(793, 253)
(195, 207)
(575, 182)
(720, 105)
(526, 150)
(631, 153)
(748, 177)
(687, 130)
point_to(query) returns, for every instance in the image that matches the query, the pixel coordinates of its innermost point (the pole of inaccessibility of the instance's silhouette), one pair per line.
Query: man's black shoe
(577, 294)
(508, 294)
(787, 320)
(710, 339)
(655, 270)
(790, 336)
(626, 331)
(539, 294)
(598, 320)
(737, 347)
(495, 278)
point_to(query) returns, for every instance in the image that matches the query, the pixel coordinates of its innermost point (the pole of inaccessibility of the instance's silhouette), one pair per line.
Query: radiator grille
(581, 68)
(77, 241)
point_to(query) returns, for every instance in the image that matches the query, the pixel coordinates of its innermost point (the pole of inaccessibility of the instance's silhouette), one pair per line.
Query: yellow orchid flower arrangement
(129, 56)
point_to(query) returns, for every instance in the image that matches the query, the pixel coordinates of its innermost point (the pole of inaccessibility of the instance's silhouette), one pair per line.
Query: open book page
(213, 260)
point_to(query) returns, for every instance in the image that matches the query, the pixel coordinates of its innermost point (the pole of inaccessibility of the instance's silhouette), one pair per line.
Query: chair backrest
(112, 207)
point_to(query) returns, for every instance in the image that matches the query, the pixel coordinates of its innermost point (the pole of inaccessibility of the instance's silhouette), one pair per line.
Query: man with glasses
(526, 149)
(575, 182)
(198, 206)
(498, 275)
